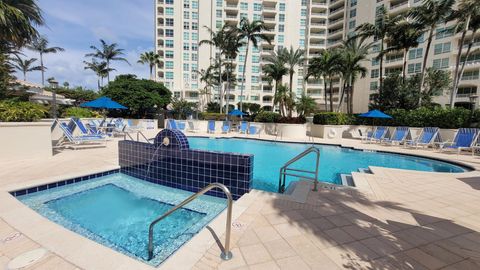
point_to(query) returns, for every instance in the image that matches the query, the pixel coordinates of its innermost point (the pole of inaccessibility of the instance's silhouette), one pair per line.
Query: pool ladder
(139, 133)
(286, 171)
(226, 253)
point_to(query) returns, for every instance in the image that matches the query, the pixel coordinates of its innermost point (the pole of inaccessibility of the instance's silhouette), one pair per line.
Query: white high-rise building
(311, 25)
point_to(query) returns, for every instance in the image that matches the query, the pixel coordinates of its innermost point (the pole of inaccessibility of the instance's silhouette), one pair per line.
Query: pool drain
(26, 259)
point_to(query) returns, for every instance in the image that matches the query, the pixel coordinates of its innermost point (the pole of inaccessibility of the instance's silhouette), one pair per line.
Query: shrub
(293, 120)
(79, 112)
(332, 118)
(211, 116)
(21, 111)
(268, 117)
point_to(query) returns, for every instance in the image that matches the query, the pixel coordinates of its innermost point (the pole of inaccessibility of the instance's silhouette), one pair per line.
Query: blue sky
(76, 25)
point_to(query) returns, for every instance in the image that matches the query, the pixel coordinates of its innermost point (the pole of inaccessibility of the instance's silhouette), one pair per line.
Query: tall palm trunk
(350, 87)
(42, 68)
(325, 92)
(228, 68)
(243, 76)
(331, 95)
(424, 64)
(404, 69)
(460, 75)
(381, 67)
(98, 83)
(290, 110)
(453, 93)
(25, 75)
(151, 72)
(220, 79)
(108, 71)
(340, 102)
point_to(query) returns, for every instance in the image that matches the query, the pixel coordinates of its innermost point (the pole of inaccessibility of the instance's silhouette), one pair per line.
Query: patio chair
(243, 127)
(83, 129)
(253, 130)
(378, 134)
(211, 126)
(465, 139)
(131, 126)
(399, 136)
(226, 127)
(191, 127)
(368, 136)
(69, 139)
(172, 124)
(427, 138)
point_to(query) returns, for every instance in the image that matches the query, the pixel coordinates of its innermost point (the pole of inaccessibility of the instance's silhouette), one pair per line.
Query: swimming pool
(116, 210)
(334, 160)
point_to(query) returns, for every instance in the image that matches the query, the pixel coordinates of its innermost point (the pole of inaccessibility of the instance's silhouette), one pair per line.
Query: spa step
(347, 180)
(365, 170)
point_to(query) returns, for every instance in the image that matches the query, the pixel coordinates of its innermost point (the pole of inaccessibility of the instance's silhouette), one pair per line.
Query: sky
(76, 25)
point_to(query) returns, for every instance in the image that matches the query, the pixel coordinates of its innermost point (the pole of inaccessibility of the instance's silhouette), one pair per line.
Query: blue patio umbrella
(103, 103)
(236, 113)
(375, 114)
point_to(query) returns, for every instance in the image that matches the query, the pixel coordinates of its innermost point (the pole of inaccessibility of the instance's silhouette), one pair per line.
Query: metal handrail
(284, 169)
(143, 135)
(127, 134)
(226, 254)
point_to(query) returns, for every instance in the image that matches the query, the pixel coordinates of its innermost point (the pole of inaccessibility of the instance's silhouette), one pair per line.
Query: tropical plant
(151, 59)
(405, 34)
(18, 19)
(379, 31)
(80, 112)
(274, 70)
(213, 107)
(25, 65)
(305, 105)
(108, 53)
(183, 108)
(292, 59)
(40, 45)
(21, 111)
(232, 46)
(141, 96)
(468, 19)
(207, 76)
(285, 99)
(217, 40)
(101, 69)
(352, 54)
(268, 117)
(436, 83)
(397, 94)
(252, 33)
(428, 15)
(66, 85)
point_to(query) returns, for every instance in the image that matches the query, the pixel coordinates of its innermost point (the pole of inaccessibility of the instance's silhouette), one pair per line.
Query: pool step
(365, 170)
(347, 180)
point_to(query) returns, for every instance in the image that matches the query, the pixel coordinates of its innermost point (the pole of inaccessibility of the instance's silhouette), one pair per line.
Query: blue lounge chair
(172, 124)
(131, 126)
(191, 127)
(465, 139)
(427, 138)
(243, 127)
(378, 134)
(95, 128)
(226, 127)
(211, 126)
(253, 130)
(83, 129)
(399, 136)
(69, 139)
(368, 136)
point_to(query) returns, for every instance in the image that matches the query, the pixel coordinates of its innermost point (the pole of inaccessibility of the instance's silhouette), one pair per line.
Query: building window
(373, 85)
(257, 7)
(281, 38)
(375, 73)
(186, 46)
(219, 3)
(302, 32)
(440, 63)
(169, 21)
(281, 17)
(194, 26)
(186, 35)
(195, 15)
(415, 53)
(243, 6)
(218, 24)
(353, 13)
(281, 6)
(218, 13)
(241, 58)
(169, 43)
(255, 59)
(281, 28)
(186, 15)
(353, 3)
(194, 47)
(444, 32)
(169, 11)
(303, 22)
(186, 56)
(303, 12)
(351, 25)
(255, 79)
(186, 67)
(169, 64)
(169, 75)
(168, 54)
(169, 32)
(194, 57)
(169, 2)
(301, 43)
(195, 4)
(240, 68)
(375, 61)
(442, 48)
(255, 69)
(257, 17)
(194, 36)
(414, 68)
(186, 3)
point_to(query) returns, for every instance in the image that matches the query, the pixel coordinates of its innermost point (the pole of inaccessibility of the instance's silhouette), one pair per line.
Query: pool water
(269, 157)
(116, 211)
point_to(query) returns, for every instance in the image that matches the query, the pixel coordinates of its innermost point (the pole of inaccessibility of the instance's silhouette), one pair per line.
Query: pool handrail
(226, 253)
(284, 169)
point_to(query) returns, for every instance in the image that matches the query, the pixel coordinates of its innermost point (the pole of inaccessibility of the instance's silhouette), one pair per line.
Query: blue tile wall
(179, 167)
(61, 183)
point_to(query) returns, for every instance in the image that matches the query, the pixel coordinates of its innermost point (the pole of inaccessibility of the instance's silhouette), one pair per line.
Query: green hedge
(421, 117)
(211, 116)
(22, 111)
(79, 112)
(268, 117)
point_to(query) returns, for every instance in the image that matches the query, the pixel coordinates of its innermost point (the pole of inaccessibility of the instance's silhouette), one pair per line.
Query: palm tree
(405, 34)
(379, 31)
(468, 18)
(101, 69)
(151, 59)
(292, 58)
(108, 53)
(40, 45)
(326, 66)
(208, 78)
(275, 69)
(232, 46)
(352, 54)
(284, 98)
(18, 19)
(251, 32)
(305, 105)
(217, 40)
(25, 65)
(429, 15)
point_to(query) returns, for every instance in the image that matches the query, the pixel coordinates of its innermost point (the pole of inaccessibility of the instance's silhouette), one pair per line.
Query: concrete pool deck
(396, 219)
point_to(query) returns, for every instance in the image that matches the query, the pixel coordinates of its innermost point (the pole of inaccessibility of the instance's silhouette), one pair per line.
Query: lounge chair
(83, 129)
(427, 138)
(399, 136)
(211, 126)
(253, 130)
(69, 139)
(172, 124)
(368, 136)
(465, 139)
(377, 135)
(131, 126)
(191, 127)
(226, 127)
(243, 127)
